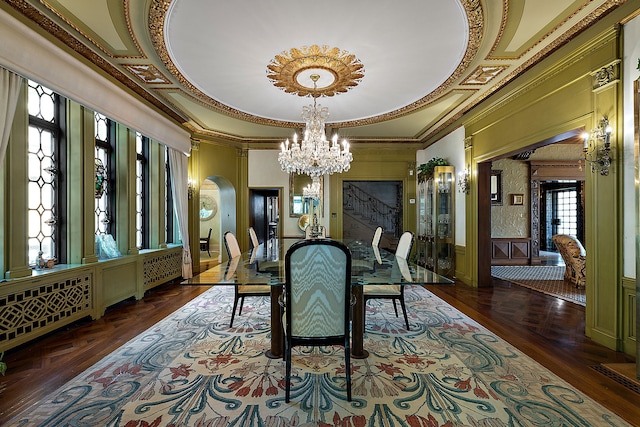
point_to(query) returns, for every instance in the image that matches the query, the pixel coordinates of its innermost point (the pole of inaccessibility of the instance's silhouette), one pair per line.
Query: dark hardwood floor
(546, 329)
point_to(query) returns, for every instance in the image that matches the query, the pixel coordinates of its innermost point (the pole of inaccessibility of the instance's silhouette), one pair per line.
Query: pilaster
(602, 211)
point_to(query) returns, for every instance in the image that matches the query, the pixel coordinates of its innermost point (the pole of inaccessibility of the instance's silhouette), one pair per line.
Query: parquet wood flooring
(546, 329)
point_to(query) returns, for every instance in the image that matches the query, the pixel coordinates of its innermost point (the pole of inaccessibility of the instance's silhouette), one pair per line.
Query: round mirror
(208, 208)
(303, 222)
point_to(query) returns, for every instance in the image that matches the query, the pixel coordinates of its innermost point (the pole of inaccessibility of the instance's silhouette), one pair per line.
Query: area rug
(191, 369)
(545, 278)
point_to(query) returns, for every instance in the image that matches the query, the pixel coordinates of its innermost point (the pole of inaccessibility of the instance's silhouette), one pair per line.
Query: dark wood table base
(357, 333)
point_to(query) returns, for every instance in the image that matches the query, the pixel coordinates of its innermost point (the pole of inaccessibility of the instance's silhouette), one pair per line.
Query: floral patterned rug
(190, 369)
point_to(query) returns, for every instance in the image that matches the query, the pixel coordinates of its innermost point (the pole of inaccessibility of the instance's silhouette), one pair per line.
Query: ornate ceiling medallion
(289, 70)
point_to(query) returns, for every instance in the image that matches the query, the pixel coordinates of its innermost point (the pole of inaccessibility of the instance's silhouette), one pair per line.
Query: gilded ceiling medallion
(288, 70)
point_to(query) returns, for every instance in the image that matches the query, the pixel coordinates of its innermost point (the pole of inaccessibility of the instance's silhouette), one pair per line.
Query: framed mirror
(496, 187)
(208, 207)
(297, 204)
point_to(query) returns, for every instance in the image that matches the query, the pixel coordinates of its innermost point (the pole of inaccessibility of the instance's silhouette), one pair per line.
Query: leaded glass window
(142, 191)
(104, 196)
(43, 162)
(169, 211)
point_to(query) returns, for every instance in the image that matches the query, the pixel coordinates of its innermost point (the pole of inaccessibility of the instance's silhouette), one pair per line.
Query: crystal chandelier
(314, 155)
(312, 191)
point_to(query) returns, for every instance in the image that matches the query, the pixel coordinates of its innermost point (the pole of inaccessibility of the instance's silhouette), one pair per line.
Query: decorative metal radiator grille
(32, 312)
(162, 268)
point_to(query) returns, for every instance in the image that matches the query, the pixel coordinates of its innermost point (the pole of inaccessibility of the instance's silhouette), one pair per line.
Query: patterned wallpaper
(511, 220)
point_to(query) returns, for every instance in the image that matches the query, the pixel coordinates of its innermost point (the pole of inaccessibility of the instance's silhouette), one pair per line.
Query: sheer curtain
(9, 91)
(178, 163)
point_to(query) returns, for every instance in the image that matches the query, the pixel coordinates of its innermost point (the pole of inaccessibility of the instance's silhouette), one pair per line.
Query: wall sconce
(191, 187)
(595, 153)
(463, 181)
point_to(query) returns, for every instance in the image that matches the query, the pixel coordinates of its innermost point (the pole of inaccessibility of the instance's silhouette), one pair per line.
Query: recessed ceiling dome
(222, 48)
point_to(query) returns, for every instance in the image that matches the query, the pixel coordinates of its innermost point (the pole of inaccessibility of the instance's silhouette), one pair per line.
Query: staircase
(363, 212)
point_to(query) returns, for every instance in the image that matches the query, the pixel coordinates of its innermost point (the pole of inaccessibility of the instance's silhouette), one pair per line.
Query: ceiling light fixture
(314, 155)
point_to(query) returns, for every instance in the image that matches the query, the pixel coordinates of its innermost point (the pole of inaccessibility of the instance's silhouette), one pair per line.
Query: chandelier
(315, 155)
(312, 191)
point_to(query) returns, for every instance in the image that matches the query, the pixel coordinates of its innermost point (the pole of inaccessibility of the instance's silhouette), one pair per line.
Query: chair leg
(287, 375)
(394, 307)
(233, 312)
(208, 251)
(347, 361)
(404, 312)
(241, 304)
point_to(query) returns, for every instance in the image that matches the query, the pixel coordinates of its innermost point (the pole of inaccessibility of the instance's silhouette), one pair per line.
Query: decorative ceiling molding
(483, 74)
(558, 43)
(345, 71)
(420, 117)
(63, 36)
(149, 74)
(475, 18)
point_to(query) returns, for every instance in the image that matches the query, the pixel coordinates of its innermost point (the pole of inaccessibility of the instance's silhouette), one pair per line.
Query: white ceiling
(227, 57)
(203, 63)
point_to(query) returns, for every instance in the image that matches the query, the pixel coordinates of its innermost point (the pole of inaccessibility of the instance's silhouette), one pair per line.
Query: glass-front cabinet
(435, 240)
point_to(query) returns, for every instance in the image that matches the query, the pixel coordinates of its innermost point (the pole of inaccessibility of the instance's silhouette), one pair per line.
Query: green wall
(563, 94)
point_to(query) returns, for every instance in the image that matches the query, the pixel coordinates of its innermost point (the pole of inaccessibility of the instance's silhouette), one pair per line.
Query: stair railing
(372, 210)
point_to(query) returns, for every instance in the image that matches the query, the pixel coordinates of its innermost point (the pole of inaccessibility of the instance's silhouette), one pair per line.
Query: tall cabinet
(435, 240)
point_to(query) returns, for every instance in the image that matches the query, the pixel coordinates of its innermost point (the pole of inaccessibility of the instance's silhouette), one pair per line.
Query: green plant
(425, 170)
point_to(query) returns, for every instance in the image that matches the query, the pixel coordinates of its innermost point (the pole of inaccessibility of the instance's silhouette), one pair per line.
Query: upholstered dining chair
(241, 291)
(575, 259)
(393, 292)
(205, 243)
(370, 265)
(377, 235)
(253, 237)
(317, 300)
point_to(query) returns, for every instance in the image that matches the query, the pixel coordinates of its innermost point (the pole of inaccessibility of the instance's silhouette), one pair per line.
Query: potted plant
(425, 170)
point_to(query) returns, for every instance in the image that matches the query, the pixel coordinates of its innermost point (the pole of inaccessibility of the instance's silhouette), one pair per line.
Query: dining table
(264, 265)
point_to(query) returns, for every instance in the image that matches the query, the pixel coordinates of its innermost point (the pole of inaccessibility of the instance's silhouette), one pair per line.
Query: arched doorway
(217, 211)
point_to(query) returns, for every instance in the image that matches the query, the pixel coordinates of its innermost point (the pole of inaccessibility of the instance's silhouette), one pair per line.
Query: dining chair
(317, 300)
(241, 291)
(393, 292)
(205, 243)
(253, 238)
(366, 264)
(377, 235)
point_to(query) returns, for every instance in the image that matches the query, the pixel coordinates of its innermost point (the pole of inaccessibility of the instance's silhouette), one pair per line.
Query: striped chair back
(318, 288)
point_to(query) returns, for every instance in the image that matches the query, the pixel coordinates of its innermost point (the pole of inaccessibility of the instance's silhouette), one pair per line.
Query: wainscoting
(510, 251)
(50, 299)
